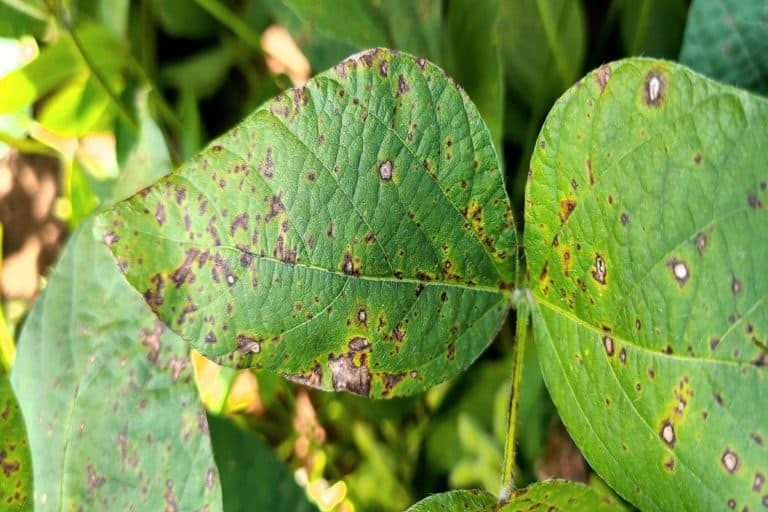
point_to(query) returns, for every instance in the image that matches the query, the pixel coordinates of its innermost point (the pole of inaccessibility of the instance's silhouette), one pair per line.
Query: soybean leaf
(472, 55)
(361, 25)
(553, 494)
(543, 44)
(353, 234)
(468, 48)
(252, 478)
(114, 418)
(16, 476)
(646, 244)
(728, 40)
(653, 28)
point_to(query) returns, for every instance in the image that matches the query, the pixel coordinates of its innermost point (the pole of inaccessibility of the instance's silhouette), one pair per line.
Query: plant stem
(522, 306)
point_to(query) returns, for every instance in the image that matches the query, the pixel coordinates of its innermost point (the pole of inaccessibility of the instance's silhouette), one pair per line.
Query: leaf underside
(646, 247)
(352, 234)
(114, 421)
(552, 495)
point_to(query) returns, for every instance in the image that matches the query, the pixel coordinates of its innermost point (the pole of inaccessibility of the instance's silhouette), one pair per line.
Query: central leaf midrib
(583, 323)
(386, 279)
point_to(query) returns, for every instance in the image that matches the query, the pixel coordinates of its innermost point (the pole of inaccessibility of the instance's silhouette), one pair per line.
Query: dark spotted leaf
(114, 421)
(252, 478)
(728, 40)
(646, 244)
(16, 476)
(352, 234)
(552, 495)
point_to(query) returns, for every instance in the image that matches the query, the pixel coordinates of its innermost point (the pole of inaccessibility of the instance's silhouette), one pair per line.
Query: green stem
(508, 476)
(551, 32)
(233, 22)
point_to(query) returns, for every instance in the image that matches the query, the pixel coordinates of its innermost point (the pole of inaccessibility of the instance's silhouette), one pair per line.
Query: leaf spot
(667, 433)
(608, 344)
(655, 87)
(730, 460)
(758, 483)
(679, 271)
(701, 242)
(603, 75)
(600, 271)
(735, 286)
(385, 170)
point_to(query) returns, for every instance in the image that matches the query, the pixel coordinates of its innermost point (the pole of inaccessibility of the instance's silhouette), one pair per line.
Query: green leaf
(353, 234)
(646, 243)
(361, 24)
(115, 423)
(252, 478)
(553, 494)
(59, 62)
(728, 40)
(543, 44)
(22, 17)
(183, 19)
(202, 73)
(475, 500)
(143, 158)
(16, 477)
(653, 28)
(473, 57)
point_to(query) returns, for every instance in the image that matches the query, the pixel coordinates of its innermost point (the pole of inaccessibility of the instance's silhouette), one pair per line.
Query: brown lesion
(349, 371)
(602, 76)
(599, 270)
(566, 209)
(312, 378)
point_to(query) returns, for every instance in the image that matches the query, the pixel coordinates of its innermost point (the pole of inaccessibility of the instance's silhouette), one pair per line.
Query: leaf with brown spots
(653, 337)
(552, 496)
(15, 463)
(114, 420)
(393, 233)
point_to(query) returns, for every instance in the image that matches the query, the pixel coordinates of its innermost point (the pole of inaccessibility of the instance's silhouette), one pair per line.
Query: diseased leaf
(646, 247)
(728, 40)
(476, 500)
(252, 478)
(114, 418)
(552, 495)
(473, 57)
(16, 476)
(353, 234)
(464, 41)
